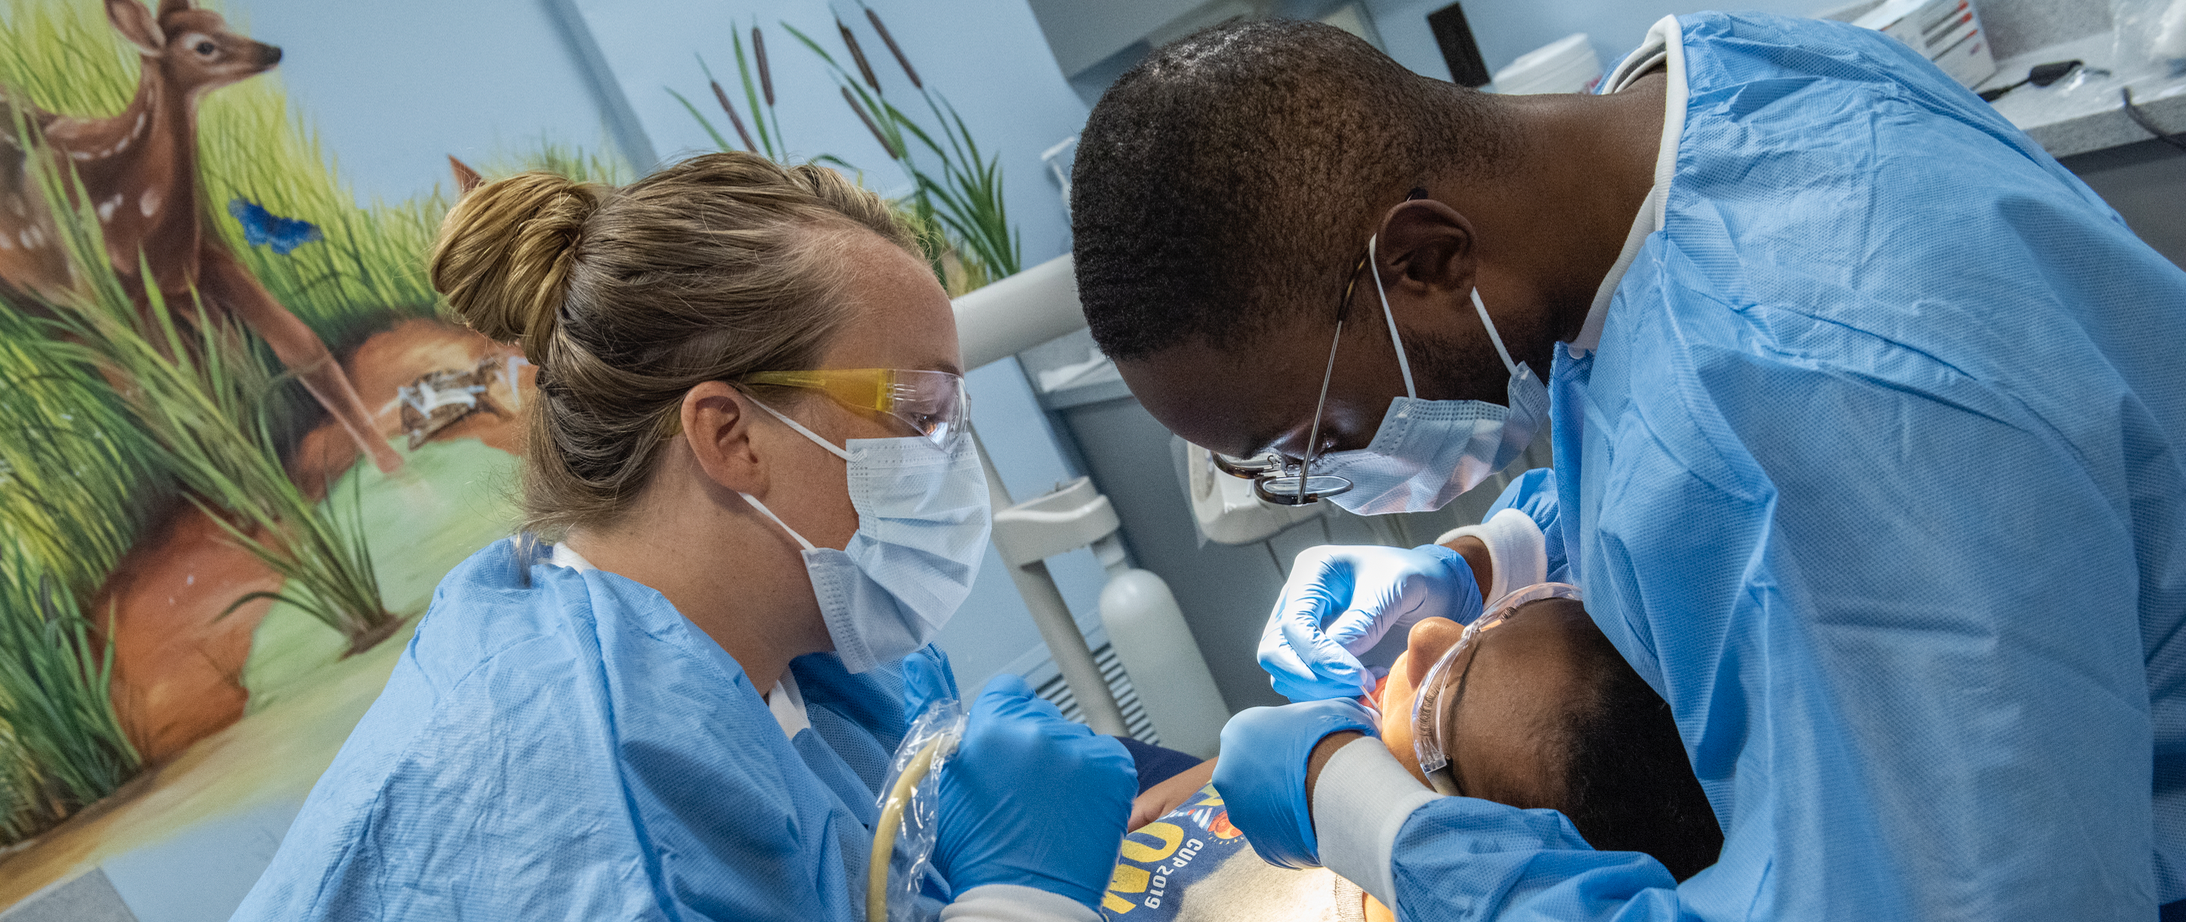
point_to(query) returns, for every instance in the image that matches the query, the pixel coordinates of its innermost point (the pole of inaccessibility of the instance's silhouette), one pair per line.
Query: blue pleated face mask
(1429, 451)
(923, 521)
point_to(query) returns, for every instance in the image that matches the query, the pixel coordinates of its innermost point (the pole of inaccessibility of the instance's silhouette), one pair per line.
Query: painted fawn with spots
(139, 172)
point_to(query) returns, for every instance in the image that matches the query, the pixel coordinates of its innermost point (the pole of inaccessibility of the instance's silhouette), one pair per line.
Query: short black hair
(1630, 786)
(1230, 180)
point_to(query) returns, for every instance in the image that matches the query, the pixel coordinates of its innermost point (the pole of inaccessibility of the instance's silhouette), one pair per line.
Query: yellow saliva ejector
(903, 839)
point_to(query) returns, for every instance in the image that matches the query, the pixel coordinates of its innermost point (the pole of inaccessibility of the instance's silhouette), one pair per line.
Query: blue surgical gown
(557, 744)
(1878, 475)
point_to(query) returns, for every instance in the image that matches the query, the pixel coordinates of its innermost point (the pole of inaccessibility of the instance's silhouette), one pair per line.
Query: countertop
(2083, 112)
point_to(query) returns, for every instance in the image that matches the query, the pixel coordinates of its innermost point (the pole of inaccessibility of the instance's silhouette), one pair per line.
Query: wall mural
(238, 447)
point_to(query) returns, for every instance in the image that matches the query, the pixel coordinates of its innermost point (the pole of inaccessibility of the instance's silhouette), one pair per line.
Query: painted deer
(139, 172)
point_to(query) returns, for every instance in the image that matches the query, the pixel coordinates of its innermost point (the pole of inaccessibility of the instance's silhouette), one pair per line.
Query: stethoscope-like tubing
(891, 818)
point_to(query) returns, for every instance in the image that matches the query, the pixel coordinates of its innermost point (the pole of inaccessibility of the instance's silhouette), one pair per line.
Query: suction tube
(908, 808)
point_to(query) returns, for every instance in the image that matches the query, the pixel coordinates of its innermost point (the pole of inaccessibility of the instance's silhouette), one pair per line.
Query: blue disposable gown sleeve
(1908, 667)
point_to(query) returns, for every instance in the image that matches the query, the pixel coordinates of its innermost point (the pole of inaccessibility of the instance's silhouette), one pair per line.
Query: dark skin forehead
(1261, 395)
(1511, 733)
(1516, 708)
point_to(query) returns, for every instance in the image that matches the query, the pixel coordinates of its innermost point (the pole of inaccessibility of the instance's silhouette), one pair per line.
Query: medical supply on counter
(2039, 75)
(1434, 715)
(2175, 139)
(1947, 32)
(903, 840)
(1567, 65)
(2151, 36)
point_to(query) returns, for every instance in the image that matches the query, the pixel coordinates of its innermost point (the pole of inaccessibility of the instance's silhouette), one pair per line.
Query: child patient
(1540, 712)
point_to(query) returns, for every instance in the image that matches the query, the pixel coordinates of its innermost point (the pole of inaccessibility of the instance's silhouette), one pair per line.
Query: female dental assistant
(748, 450)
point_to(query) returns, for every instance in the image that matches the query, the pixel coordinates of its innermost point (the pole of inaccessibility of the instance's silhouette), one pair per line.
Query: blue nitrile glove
(1032, 799)
(1534, 493)
(927, 678)
(1340, 601)
(1262, 774)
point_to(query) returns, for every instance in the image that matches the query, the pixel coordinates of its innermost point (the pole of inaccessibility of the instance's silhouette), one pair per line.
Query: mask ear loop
(801, 430)
(1403, 364)
(1493, 336)
(807, 433)
(769, 513)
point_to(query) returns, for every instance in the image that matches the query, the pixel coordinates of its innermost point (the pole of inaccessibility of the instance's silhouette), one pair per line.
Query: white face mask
(1429, 451)
(923, 521)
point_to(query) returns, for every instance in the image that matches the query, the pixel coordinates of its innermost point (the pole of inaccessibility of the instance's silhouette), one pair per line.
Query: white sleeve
(1515, 547)
(1012, 903)
(1360, 804)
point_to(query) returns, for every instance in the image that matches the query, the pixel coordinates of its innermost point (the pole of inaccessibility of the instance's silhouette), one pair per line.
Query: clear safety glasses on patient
(930, 402)
(1434, 703)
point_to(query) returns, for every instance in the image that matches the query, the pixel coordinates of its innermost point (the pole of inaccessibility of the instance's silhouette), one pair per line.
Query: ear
(466, 178)
(1426, 243)
(174, 6)
(135, 23)
(717, 421)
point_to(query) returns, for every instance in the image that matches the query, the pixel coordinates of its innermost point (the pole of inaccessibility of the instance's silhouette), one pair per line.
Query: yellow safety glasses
(932, 403)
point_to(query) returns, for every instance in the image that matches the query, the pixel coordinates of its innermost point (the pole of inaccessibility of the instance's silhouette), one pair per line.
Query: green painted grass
(204, 419)
(450, 499)
(61, 746)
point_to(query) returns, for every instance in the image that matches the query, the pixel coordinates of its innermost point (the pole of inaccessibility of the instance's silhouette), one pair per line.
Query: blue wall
(394, 86)
(988, 58)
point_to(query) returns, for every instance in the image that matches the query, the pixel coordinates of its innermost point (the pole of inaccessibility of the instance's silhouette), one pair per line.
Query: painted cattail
(766, 77)
(858, 54)
(870, 126)
(890, 40)
(723, 99)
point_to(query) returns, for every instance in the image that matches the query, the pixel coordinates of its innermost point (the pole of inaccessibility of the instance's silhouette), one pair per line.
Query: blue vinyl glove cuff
(1262, 773)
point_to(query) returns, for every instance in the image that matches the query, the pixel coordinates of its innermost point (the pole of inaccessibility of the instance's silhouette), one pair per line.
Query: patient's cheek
(1376, 912)
(1396, 732)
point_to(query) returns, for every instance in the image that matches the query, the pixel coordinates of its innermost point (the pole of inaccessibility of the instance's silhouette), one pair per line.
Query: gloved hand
(1534, 493)
(1032, 799)
(927, 678)
(1338, 603)
(1262, 774)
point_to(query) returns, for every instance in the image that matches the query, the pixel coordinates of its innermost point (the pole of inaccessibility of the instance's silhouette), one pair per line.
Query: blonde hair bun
(627, 297)
(505, 253)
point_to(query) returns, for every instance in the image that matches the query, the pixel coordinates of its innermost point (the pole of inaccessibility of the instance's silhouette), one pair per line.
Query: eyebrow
(943, 365)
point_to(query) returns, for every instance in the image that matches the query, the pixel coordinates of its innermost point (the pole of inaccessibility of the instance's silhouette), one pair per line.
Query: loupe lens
(1283, 491)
